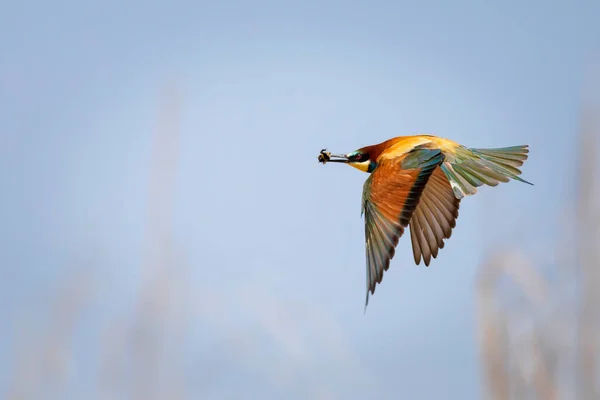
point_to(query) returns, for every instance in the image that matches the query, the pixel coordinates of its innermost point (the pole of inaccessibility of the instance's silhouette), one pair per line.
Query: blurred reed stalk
(134, 358)
(546, 344)
(157, 269)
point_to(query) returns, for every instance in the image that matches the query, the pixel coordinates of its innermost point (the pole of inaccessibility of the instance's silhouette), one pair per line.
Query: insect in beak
(326, 156)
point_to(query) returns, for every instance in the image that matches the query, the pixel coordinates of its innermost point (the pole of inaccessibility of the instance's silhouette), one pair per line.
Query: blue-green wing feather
(467, 169)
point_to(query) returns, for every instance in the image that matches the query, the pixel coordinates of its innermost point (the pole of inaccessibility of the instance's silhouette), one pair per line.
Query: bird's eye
(360, 157)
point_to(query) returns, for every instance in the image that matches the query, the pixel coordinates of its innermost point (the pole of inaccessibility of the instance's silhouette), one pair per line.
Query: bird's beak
(325, 157)
(338, 158)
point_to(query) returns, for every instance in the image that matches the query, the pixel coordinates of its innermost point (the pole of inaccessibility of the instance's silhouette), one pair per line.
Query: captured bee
(324, 156)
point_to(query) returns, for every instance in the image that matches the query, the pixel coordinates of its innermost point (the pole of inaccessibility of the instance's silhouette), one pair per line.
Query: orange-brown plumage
(400, 145)
(393, 206)
(394, 146)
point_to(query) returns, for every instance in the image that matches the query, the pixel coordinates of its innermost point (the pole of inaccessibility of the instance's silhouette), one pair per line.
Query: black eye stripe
(359, 157)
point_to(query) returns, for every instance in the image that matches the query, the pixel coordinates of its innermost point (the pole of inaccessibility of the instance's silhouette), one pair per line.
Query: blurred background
(167, 232)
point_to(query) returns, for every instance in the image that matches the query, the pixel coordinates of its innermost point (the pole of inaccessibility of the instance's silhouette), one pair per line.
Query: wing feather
(390, 196)
(434, 218)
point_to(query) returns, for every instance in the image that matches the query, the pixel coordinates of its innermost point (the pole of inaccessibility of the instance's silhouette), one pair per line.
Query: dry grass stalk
(545, 342)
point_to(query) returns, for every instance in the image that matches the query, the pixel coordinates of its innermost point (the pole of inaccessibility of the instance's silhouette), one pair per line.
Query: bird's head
(359, 159)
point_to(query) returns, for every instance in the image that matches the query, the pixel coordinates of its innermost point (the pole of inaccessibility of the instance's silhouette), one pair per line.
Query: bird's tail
(467, 169)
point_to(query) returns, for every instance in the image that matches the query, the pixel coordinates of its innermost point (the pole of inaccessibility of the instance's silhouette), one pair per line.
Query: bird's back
(401, 145)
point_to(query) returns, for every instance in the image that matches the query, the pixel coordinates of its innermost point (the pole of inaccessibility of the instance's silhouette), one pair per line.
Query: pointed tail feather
(470, 168)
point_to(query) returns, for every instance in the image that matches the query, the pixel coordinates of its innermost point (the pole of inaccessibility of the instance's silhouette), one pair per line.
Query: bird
(417, 182)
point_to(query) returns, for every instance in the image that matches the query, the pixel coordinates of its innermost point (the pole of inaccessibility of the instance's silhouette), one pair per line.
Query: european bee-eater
(419, 181)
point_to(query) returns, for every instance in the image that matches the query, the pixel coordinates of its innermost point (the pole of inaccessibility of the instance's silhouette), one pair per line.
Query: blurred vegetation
(538, 327)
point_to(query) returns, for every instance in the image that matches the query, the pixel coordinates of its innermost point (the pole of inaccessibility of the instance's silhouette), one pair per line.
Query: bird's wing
(434, 218)
(390, 196)
(467, 169)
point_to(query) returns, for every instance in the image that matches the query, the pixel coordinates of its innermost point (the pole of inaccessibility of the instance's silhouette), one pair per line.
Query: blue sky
(273, 240)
